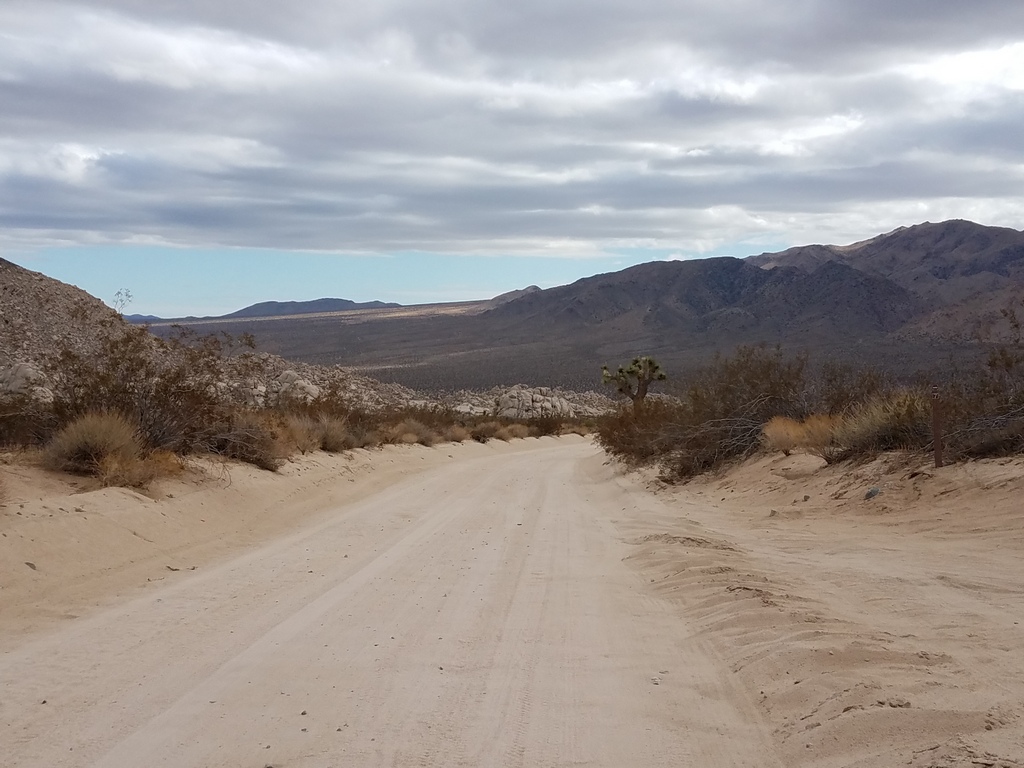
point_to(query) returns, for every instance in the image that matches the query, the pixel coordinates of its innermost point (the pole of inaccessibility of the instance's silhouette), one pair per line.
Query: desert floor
(521, 604)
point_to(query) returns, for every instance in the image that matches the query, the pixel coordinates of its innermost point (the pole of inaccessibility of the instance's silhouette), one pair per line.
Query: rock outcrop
(522, 402)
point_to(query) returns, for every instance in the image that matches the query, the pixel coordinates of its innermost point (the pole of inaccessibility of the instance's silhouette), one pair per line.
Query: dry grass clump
(110, 448)
(484, 431)
(138, 473)
(576, 428)
(512, 432)
(456, 433)
(782, 433)
(251, 437)
(412, 432)
(334, 435)
(819, 436)
(302, 433)
(91, 441)
(898, 420)
(816, 435)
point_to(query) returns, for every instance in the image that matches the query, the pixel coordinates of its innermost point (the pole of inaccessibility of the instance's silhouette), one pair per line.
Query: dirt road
(519, 604)
(474, 614)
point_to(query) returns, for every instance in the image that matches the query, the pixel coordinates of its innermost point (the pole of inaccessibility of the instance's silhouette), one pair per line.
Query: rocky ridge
(40, 317)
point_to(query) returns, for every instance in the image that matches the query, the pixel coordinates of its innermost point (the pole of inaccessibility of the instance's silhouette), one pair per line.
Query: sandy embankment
(874, 632)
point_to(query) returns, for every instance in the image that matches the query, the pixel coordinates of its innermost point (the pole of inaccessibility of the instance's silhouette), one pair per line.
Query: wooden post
(937, 426)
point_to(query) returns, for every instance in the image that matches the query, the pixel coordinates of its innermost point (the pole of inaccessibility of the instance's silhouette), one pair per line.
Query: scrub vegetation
(759, 398)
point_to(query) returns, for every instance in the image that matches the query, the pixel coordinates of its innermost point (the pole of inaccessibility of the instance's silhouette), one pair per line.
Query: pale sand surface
(519, 604)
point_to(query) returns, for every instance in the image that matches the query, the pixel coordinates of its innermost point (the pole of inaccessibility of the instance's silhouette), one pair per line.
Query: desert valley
(338, 534)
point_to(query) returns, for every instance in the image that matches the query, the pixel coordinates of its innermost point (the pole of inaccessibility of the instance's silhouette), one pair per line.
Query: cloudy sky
(207, 154)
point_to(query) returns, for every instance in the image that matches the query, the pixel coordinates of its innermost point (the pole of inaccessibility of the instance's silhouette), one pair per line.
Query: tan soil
(518, 604)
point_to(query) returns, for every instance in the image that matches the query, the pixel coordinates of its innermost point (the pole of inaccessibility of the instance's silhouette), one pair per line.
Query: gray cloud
(537, 127)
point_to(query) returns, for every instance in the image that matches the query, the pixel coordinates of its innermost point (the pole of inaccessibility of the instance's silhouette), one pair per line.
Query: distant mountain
(142, 319)
(505, 298)
(283, 308)
(945, 262)
(715, 296)
(960, 272)
(274, 309)
(904, 300)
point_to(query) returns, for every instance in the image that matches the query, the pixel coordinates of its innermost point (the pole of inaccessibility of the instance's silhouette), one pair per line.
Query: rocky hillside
(960, 273)
(40, 317)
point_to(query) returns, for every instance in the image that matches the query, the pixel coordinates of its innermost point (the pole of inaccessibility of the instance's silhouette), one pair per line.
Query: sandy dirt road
(479, 613)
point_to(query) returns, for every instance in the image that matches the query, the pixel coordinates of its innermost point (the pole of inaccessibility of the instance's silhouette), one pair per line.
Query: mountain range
(904, 300)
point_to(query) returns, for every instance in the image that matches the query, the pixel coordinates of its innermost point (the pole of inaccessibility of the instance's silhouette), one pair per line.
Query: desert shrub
(576, 428)
(250, 437)
(137, 472)
(170, 388)
(484, 431)
(456, 433)
(334, 434)
(985, 438)
(837, 387)
(411, 431)
(897, 420)
(782, 433)
(819, 434)
(543, 426)
(302, 432)
(717, 418)
(92, 441)
(512, 432)
(983, 405)
(24, 421)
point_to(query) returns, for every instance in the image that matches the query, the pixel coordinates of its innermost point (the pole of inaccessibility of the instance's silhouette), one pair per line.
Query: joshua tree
(634, 379)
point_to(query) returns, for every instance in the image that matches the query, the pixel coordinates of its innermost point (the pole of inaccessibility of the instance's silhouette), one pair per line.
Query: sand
(515, 604)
